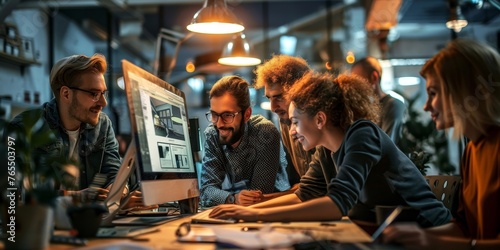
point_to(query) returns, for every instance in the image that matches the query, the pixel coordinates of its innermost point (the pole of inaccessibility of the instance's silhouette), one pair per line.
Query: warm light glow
(456, 21)
(215, 28)
(328, 66)
(456, 25)
(238, 52)
(350, 57)
(239, 61)
(215, 18)
(190, 67)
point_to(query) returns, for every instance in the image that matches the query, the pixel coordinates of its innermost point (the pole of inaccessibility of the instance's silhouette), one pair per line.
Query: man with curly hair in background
(277, 75)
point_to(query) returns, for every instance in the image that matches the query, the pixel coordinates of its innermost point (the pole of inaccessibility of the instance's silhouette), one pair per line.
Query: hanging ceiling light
(215, 18)
(238, 53)
(456, 21)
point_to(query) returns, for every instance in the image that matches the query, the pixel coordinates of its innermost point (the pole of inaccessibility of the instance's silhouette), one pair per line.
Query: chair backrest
(445, 187)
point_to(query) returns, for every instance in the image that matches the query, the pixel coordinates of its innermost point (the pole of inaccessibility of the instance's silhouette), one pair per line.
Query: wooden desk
(165, 238)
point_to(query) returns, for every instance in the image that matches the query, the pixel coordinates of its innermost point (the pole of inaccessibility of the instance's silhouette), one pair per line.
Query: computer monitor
(160, 129)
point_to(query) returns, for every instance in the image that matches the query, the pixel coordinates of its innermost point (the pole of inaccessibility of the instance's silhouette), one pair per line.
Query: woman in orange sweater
(463, 86)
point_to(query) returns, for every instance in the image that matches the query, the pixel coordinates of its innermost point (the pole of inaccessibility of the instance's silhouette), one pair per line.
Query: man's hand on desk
(248, 197)
(134, 203)
(235, 212)
(88, 194)
(266, 197)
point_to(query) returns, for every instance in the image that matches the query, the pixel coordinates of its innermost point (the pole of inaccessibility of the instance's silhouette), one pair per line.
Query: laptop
(370, 243)
(114, 201)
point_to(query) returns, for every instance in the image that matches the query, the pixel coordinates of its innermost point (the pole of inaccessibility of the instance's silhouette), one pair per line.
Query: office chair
(445, 187)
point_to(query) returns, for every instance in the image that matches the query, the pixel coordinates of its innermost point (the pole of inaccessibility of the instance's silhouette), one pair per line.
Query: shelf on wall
(19, 61)
(13, 108)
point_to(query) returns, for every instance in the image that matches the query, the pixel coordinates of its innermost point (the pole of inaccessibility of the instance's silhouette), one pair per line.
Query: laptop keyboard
(145, 220)
(160, 211)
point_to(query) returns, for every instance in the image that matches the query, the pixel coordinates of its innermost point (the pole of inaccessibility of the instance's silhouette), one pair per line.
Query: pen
(140, 239)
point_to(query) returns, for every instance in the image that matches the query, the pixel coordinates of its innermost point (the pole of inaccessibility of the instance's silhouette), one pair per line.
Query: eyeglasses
(227, 117)
(96, 96)
(183, 229)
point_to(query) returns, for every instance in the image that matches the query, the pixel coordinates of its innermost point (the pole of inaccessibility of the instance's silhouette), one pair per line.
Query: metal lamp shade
(215, 18)
(238, 53)
(456, 21)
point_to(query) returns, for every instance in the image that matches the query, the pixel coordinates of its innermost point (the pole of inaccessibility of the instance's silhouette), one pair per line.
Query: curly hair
(470, 75)
(67, 71)
(235, 86)
(344, 99)
(281, 70)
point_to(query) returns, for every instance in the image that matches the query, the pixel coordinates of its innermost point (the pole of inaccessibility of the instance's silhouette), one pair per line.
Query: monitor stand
(189, 206)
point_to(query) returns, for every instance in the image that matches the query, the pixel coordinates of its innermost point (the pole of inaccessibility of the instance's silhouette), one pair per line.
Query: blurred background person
(392, 110)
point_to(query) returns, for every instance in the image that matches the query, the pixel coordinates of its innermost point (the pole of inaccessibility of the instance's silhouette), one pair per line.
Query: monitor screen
(160, 129)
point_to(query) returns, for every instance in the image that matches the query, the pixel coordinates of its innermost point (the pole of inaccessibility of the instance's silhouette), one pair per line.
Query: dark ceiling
(436, 11)
(306, 20)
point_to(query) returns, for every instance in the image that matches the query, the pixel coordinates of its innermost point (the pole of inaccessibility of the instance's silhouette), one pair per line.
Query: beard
(82, 115)
(234, 137)
(287, 122)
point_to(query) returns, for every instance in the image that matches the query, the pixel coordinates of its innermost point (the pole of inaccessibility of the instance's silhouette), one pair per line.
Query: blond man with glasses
(244, 158)
(83, 133)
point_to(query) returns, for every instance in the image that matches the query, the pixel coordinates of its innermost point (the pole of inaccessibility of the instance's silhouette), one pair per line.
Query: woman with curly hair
(340, 114)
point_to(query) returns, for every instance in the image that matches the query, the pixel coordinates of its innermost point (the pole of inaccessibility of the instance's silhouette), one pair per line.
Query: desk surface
(165, 238)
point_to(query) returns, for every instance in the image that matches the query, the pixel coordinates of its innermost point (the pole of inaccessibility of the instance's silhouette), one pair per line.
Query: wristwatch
(230, 199)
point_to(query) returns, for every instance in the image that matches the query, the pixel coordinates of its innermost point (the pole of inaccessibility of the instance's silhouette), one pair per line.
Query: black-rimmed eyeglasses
(227, 117)
(96, 95)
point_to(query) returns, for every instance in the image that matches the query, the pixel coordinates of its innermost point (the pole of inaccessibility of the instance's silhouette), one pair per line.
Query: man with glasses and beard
(83, 133)
(244, 158)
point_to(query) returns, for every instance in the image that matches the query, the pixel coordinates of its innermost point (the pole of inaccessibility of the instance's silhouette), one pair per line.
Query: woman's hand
(235, 212)
(408, 234)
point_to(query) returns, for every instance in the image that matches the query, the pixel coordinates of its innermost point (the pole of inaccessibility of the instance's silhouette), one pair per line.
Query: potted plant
(423, 143)
(31, 183)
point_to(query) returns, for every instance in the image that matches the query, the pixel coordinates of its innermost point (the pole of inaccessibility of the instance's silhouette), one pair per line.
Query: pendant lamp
(238, 52)
(215, 18)
(456, 21)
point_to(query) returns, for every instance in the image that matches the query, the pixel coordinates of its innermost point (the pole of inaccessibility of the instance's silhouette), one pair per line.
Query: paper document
(264, 238)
